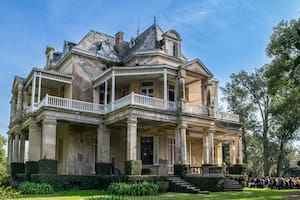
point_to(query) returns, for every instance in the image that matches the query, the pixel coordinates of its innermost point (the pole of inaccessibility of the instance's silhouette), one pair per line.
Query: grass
(247, 194)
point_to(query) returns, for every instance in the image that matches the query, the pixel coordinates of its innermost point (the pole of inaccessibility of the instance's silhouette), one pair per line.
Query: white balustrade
(195, 109)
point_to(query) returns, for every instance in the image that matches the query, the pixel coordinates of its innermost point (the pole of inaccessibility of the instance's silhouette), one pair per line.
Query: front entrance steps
(232, 185)
(184, 186)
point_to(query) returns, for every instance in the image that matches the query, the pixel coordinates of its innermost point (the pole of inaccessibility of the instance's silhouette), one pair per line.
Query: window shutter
(156, 150)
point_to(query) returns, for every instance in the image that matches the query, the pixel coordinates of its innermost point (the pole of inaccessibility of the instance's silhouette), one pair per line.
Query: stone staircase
(184, 186)
(232, 185)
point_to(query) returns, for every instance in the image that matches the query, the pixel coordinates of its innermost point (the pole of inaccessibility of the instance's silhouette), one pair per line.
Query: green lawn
(255, 194)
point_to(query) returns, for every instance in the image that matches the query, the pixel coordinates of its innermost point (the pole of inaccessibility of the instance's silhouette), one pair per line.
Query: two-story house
(107, 100)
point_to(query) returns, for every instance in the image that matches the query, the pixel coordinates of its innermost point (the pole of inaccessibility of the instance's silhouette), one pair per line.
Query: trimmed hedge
(16, 168)
(103, 168)
(47, 166)
(181, 169)
(236, 169)
(135, 189)
(212, 184)
(66, 182)
(31, 167)
(107, 198)
(133, 167)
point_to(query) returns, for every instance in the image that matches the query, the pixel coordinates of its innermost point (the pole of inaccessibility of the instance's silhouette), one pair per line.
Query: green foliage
(135, 189)
(107, 198)
(212, 184)
(2, 155)
(103, 168)
(35, 188)
(7, 192)
(181, 170)
(31, 167)
(16, 168)
(133, 167)
(47, 166)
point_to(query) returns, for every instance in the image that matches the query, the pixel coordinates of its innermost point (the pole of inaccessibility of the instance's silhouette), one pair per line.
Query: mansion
(106, 100)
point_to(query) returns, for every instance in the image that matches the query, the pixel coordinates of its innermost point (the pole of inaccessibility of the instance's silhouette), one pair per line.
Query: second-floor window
(102, 94)
(147, 88)
(171, 93)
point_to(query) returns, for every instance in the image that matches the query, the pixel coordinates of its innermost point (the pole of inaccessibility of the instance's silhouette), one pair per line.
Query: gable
(198, 67)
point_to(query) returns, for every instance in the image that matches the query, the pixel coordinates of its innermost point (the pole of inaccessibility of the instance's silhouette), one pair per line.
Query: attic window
(175, 50)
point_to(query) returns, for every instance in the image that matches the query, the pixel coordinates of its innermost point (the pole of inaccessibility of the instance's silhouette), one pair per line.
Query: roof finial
(154, 20)
(138, 28)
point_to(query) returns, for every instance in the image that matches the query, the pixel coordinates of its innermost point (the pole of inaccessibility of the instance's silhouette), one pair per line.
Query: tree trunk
(266, 150)
(280, 159)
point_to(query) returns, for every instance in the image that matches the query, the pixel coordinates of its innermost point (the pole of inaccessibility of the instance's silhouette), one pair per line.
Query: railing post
(132, 98)
(46, 100)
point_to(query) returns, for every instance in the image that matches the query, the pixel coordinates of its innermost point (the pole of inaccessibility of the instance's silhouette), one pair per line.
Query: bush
(135, 189)
(106, 198)
(103, 168)
(8, 193)
(133, 167)
(17, 168)
(31, 167)
(47, 166)
(35, 188)
(236, 169)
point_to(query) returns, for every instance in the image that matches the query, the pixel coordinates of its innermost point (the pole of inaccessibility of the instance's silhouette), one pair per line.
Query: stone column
(211, 149)
(205, 149)
(103, 154)
(96, 95)
(219, 154)
(13, 108)
(16, 148)
(34, 148)
(9, 150)
(25, 99)
(233, 152)
(22, 148)
(49, 138)
(20, 99)
(180, 145)
(165, 88)
(131, 138)
(33, 90)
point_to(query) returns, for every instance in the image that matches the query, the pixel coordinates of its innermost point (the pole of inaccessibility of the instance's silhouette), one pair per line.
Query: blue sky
(227, 35)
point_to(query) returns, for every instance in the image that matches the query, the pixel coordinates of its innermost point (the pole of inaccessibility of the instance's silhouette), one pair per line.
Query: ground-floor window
(147, 150)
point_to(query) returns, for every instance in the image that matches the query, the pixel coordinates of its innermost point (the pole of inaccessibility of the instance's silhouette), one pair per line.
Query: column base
(16, 168)
(181, 169)
(103, 168)
(133, 167)
(47, 166)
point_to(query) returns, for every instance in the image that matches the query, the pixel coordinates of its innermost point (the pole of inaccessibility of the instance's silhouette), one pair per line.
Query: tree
(247, 95)
(283, 81)
(2, 155)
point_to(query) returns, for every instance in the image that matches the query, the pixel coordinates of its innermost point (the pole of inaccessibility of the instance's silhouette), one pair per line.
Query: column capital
(132, 119)
(49, 121)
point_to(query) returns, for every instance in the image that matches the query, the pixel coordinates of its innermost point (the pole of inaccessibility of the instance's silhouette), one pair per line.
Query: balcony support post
(33, 90)
(165, 88)
(113, 89)
(40, 86)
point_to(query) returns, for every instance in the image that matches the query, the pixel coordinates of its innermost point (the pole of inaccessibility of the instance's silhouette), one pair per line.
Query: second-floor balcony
(130, 99)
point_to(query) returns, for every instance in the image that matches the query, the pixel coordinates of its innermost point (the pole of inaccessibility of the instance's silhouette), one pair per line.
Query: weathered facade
(106, 100)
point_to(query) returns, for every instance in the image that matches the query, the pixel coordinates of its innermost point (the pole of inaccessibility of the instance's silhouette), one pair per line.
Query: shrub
(106, 198)
(133, 167)
(35, 188)
(181, 170)
(17, 168)
(103, 168)
(31, 167)
(8, 193)
(212, 184)
(47, 166)
(236, 169)
(135, 189)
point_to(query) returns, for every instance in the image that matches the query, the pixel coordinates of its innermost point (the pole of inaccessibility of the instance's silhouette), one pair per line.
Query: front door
(171, 155)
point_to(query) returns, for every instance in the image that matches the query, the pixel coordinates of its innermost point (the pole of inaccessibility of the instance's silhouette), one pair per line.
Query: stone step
(185, 185)
(232, 185)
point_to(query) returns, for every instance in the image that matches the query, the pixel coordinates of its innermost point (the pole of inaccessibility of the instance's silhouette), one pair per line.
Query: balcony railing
(131, 99)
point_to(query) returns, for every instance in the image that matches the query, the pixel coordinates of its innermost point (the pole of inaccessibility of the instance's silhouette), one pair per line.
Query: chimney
(119, 40)
(49, 55)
